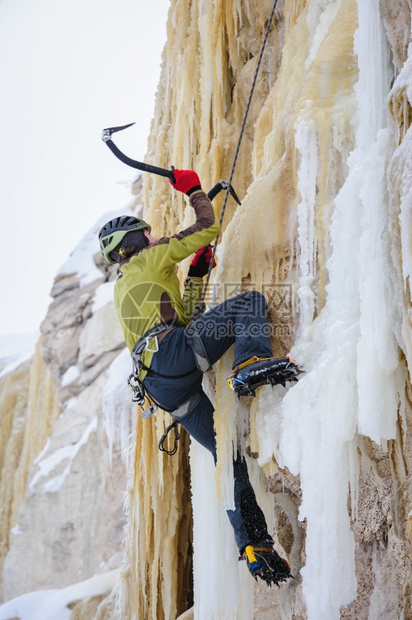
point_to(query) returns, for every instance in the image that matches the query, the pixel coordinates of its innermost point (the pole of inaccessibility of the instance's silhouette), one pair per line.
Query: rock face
(63, 474)
(324, 232)
(70, 520)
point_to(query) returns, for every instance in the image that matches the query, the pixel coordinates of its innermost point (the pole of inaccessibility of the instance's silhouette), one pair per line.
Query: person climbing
(171, 353)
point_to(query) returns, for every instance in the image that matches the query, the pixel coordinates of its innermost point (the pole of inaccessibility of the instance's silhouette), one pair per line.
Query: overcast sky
(68, 69)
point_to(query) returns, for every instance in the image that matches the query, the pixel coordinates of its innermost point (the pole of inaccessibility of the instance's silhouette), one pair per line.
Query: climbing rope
(201, 306)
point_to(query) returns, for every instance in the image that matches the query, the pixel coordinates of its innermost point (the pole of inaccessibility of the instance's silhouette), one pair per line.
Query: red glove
(200, 262)
(187, 181)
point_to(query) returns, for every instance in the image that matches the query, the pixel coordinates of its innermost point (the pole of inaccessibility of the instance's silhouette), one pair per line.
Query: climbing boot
(266, 563)
(258, 371)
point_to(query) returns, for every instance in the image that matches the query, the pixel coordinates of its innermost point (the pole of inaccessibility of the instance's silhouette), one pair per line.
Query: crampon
(255, 372)
(266, 563)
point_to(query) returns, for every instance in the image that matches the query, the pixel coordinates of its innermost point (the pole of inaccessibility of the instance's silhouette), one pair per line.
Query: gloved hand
(187, 181)
(200, 262)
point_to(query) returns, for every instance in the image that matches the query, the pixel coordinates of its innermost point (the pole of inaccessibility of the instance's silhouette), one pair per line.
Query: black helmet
(112, 233)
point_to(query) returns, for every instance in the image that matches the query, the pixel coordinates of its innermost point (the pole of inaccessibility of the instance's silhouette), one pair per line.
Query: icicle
(118, 409)
(225, 590)
(306, 143)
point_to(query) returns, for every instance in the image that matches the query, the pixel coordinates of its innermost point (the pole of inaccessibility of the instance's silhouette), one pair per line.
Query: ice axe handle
(218, 188)
(215, 191)
(133, 163)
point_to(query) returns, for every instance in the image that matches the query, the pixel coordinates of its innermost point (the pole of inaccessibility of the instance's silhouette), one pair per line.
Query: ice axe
(107, 138)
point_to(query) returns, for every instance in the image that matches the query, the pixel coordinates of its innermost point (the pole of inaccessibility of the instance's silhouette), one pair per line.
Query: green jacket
(147, 290)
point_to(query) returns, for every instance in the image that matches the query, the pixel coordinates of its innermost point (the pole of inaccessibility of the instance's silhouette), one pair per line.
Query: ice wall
(325, 209)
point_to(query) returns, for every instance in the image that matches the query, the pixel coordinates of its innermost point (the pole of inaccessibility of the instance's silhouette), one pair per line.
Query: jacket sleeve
(192, 294)
(202, 232)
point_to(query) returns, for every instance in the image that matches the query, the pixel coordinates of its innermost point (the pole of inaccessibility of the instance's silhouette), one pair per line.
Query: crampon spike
(266, 563)
(246, 377)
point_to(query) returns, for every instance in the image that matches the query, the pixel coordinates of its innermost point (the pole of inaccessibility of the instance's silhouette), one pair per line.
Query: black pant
(173, 378)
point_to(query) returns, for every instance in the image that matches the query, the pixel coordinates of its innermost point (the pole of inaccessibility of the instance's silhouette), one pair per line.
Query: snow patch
(70, 375)
(16, 530)
(71, 403)
(81, 260)
(103, 295)
(54, 604)
(48, 464)
(43, 452)
(15, 349)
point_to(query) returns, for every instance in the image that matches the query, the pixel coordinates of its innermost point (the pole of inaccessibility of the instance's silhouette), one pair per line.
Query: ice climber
(170, 359)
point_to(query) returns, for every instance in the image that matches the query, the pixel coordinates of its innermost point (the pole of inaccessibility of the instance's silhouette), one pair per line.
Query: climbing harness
(139, 393)
(149, 342)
